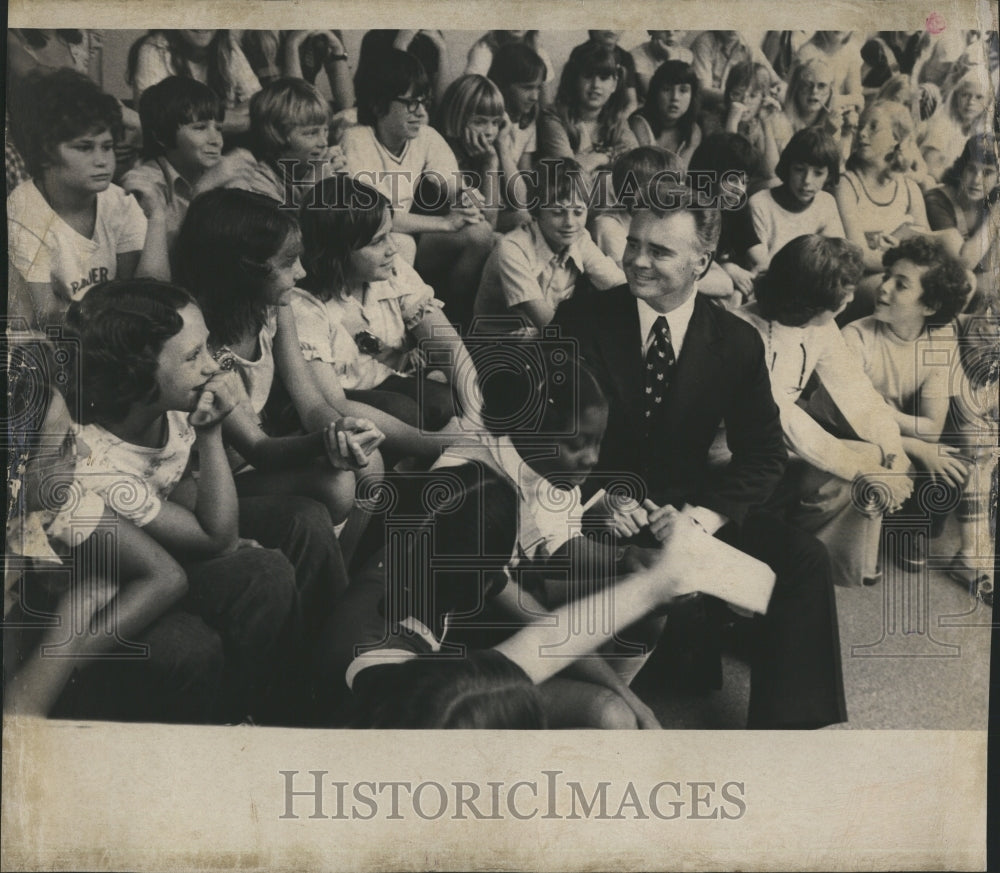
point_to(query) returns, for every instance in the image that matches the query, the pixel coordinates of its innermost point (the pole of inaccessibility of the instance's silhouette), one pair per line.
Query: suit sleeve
(754, 436)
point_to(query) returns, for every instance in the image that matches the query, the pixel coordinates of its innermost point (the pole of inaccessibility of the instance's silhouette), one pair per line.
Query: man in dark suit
(675, 368)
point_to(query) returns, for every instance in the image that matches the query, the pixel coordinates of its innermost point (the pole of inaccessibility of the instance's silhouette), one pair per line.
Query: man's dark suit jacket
(721, 377)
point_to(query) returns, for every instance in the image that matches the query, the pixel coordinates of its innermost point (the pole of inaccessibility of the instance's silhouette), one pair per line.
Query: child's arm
(266, 453)
(455, 220)
(152, 261)
(35, 302)
(210, 527)
(770, 110)
(634, 597)
(319, 398)
(147, 584)
(549, 630)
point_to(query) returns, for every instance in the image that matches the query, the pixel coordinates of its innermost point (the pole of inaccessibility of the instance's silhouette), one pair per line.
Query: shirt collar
(677, 320)
(545, 253)
(176, 183)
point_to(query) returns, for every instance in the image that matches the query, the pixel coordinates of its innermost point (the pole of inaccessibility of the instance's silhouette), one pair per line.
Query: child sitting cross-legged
(151, 397)
(73, 631)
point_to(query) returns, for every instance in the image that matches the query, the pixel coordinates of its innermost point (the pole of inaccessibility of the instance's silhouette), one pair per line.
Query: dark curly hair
(945, 283)
(221, 255)
(57, 107)
(809, 275)
(122, 326)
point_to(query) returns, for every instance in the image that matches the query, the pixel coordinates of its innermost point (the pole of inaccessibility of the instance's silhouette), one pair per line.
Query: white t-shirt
(397, 176)
(154, 65)
(135, 480)
(44, 248)
(776, 226)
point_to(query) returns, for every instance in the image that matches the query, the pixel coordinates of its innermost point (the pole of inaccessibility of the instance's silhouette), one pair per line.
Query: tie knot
(661, 329)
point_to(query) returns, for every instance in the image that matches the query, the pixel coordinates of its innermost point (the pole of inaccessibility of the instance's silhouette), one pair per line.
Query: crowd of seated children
(312, 336)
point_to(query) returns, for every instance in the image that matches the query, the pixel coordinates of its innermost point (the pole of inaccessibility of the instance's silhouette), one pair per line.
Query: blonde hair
(467, 96)
(817, 66)
(280, 106)
(905, 156)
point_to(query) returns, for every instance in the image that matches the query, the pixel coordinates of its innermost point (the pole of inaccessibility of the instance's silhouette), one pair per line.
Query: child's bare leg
(97, 614)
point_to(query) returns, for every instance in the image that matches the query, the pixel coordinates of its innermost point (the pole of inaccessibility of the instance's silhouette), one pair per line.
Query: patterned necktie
(660, 361)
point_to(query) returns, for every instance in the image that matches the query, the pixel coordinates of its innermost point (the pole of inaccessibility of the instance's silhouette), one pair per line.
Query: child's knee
(270, 594)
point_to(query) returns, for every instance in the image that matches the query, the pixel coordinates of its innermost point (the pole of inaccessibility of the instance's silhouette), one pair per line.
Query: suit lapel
(697, 366)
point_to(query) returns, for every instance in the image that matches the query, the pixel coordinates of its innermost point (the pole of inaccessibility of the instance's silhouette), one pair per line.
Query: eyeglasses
(413, 104)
